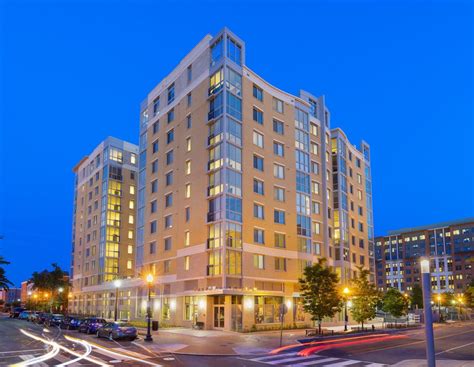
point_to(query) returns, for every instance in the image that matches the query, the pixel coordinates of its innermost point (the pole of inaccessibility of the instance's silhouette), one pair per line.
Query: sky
(397, 74)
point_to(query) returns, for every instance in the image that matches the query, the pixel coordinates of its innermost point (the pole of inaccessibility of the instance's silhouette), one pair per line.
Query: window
(258, 261)
(130, 234)
(167, 243)
(154, 166)
(258, 139)
(187, 214)
(278, 171)
(156, 106)
(315, 187)
(168, 200)
(155, 146)
(187, 167)
(216, 81)
(258, 211)
(169, 178)
(187, 191)
(280, 264)
(153, 226)
(234, 106)
(314, 148)
(170, 116)
(169, 157)
(189, 99)
(131, 204)
(278, 127)
(359, 194)
(130, 219)
(168, 221)
(315, 168)
(154, 186)
(216, 51)
(156, 127)
(234, 82)
(359, 178)
(234, 51)
(133, 160)
(171, 93)
(360, 211)
(186, 263)
(277, 105)
(166, 267)
(188, 144)
(258, 92)
(153, 205)
(152, 247)
(189, 122)
(186, 238)
(190, 73)
(315, 207)
(116, 155)
(361, 227)
(279, 193)
(316, 228)
(170, 136)
(258, 116)
(129, 264)
(279, 240)
(279, 216)
(258, 162)
(258, 187)
(313, 128)
(278, 149)
(259, 236)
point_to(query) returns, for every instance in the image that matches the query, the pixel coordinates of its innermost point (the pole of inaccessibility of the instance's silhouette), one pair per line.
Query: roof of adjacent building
(430, 226)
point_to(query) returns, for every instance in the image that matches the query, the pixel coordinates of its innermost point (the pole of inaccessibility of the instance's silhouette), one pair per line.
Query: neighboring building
(235, 194)
(353, 216)
(449, 245)
(26, 288)
(10, 295)
(104, 221)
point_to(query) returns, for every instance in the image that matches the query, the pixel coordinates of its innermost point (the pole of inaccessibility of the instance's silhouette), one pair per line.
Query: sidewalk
(439, 363)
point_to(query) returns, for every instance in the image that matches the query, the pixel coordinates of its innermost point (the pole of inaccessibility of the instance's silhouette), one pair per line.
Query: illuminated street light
(149, 280)
(426, 282)
(117, 284)
(346, 292)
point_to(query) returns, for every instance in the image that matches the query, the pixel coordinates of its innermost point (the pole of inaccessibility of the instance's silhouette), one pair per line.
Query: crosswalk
(294, 360)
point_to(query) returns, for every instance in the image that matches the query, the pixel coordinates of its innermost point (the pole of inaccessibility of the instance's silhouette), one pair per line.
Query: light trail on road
(85, 345)
(51, 354)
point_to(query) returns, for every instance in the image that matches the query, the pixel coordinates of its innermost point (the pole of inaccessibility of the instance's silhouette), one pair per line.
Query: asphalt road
(452, 342)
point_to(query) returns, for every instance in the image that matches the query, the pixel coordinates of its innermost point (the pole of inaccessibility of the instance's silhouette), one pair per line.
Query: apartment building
(104, 224)
(353, 215)
(449, 245)
(236, 194)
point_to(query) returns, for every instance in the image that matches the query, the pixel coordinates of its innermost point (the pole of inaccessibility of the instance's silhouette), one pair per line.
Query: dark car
(54, 319)
(41, 319)
(90, 325)
(117, 330)
(71, 322)
(16, 312)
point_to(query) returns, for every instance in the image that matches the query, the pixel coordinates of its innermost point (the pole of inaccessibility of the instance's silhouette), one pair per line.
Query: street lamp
(149, 280)
(117, 284)
(438, 298)
(407, 297)
(460, 305)
(426, 282)
(346, 292)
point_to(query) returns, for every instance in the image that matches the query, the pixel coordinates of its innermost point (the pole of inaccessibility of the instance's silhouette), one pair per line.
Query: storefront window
(267, 309)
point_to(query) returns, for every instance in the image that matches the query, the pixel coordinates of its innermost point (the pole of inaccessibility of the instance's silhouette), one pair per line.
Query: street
(25, 343)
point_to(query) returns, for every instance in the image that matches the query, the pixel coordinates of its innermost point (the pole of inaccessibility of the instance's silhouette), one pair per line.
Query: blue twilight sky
(395, 73)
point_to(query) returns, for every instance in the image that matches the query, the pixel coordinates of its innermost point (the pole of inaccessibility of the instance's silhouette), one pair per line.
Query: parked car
(16, 312)
(90, 325)
(42, 316)
(54, 319)
(33, 316)
(24, 315)
(117, 330)
(71, 322)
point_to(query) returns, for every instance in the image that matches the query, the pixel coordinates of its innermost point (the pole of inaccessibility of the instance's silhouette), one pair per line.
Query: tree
(365, 297)
(319, 289)
(469, 294)
(52, 282)
(4, 282)
(417, 296)
(395, 303)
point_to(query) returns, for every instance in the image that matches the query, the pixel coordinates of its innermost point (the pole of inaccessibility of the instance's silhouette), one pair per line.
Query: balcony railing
(215, 88)
(215, 113)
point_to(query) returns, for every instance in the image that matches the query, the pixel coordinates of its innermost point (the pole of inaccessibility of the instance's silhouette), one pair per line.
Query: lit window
(130, 219)
(132, 190)
(258, 139)
(130, 234)
(187, 167)
(131, 204)
(314, 148)
(186, 238)
(129, 264)
(280, 264)
(133, 158)
(188, 144)
(258, 261)
(187, 191)
(277, 105)
(279, 240)
(186, 263)
(130, 249)
(315, 187)
(314, 129)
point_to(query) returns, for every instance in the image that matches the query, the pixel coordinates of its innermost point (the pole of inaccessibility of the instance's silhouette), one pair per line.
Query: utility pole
(426, 283)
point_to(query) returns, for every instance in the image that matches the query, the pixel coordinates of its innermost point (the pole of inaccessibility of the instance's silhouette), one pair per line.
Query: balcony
(214, 113)
(215, 88)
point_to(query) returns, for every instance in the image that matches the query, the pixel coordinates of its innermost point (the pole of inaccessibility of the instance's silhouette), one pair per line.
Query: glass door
(219, 317)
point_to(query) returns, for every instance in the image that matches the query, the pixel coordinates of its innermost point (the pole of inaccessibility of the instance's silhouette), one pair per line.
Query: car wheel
(111, 337)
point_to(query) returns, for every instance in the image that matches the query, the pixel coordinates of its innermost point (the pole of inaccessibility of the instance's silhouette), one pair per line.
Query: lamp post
(346, 292)
(148, 337)
(438, 298)
(117, 284)
(407, 297)
(426, 282)
(460, 305)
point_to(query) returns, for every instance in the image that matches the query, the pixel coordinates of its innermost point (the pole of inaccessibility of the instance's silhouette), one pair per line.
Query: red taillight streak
(278, 350)
(308, 351)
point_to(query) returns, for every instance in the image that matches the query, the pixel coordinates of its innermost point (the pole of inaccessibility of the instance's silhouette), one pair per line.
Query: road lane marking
(449, 350)
(23, 351)
(109, 352)
(309, 363)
